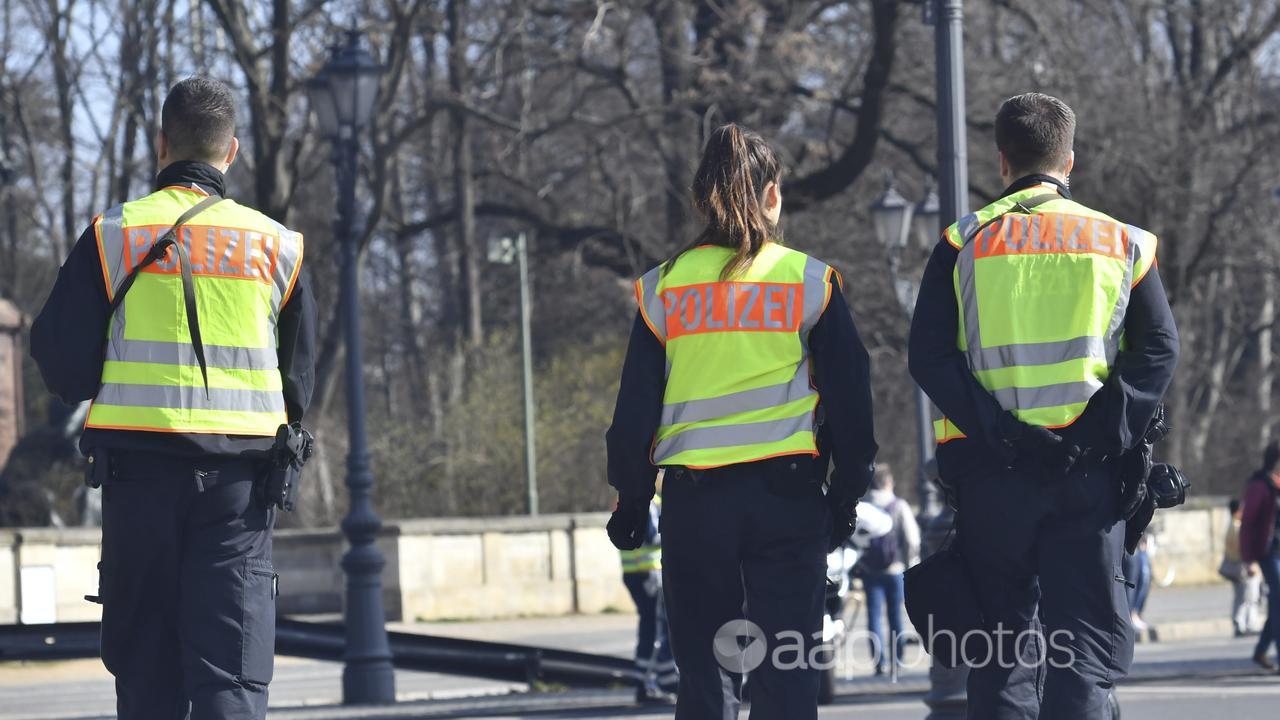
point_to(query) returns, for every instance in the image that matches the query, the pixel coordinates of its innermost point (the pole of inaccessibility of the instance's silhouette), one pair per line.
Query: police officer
(741, 350)
(186, 580)
(1044, 337)
(642, 575)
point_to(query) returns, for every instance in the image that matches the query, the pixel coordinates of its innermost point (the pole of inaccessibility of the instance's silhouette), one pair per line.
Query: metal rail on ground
(327, 641)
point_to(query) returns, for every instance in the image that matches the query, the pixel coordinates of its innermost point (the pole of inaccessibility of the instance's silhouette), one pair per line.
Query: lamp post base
(368, 683)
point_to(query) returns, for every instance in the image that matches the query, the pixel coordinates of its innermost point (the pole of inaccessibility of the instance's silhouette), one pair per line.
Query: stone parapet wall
(471, 568)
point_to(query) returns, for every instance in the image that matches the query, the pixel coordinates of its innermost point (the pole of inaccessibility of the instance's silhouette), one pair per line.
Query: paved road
(1173, 681)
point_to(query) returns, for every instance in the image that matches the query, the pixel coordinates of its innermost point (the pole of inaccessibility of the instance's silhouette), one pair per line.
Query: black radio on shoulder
(292, 449)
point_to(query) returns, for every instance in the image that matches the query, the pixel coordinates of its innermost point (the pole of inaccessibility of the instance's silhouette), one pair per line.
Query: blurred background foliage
(579, 122)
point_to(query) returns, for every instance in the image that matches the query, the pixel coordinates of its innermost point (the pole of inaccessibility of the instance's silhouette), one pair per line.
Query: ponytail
(728, 189)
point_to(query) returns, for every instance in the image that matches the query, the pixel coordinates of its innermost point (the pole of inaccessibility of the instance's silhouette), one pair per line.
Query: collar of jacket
(190, 173)
(1031, 181)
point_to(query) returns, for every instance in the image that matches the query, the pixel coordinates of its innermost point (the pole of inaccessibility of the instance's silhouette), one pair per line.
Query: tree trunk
(464, 177)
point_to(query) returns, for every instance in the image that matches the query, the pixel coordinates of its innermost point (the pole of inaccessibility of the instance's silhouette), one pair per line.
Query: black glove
(847, 485)
(629, 523)
(1135, 466)
(1036, 447)
(844, 520)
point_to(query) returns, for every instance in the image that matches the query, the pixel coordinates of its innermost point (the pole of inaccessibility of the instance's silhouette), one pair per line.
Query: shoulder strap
(158, 251)
(1025, 207)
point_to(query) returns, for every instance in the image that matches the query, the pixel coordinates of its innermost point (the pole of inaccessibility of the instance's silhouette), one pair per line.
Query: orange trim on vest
(102, 258)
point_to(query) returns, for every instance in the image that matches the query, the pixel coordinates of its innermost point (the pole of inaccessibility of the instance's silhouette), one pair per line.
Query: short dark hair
(1035, 132)
(1271, 457)
(199, 119)
(1233, 505)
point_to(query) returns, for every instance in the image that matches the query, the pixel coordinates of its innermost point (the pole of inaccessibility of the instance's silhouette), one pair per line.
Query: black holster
(292, 449)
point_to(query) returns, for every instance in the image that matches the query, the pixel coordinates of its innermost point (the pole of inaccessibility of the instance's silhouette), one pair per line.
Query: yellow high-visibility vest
(1042, 293)
(245, 266)
(738, 385)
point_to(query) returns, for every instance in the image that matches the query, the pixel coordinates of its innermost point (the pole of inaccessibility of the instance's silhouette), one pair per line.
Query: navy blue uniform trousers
(745, 541)
(1045, 559)
(187, 588)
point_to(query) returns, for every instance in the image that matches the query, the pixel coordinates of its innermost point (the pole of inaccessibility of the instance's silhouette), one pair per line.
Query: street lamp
(342, 95)
(946, 698)
(505, 251)
(896, 225)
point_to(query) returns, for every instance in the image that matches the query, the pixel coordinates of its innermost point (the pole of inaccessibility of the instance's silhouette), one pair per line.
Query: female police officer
(743, 361)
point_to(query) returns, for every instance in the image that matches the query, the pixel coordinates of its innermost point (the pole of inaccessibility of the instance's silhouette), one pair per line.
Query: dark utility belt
(207, 472)
(276, 475)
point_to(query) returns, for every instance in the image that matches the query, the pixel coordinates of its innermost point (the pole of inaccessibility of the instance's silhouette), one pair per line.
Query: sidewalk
(1184, 613)
(1192, 622)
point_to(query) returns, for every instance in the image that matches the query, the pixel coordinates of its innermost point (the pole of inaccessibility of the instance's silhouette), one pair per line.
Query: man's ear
(1071, 163)
(162, 149)
(231, 153)
(1005, 170)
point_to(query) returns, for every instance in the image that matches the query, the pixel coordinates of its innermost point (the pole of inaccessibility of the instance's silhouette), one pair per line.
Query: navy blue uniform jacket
(68, 341)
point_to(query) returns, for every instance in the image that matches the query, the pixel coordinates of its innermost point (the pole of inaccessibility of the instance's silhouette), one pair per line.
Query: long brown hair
(728, 189)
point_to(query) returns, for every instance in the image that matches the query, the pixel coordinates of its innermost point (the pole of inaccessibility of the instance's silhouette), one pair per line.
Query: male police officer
(1043, 335)
(188, 393)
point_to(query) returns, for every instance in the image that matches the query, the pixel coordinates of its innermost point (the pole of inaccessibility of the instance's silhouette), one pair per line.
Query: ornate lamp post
(946, 698)
(901, 229)
(343, 95)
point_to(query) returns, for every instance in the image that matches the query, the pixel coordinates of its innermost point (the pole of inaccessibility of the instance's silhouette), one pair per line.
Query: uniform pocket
(258, 622)
(114, 630)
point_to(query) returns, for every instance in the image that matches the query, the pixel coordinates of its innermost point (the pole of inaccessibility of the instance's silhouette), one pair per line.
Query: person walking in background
(1260, 543)
(881, 566)
(1246, 581)
(1137, 571)
(642, 574)
(742, 355)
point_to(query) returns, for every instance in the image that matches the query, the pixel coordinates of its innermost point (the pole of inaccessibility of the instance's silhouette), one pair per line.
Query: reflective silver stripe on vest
(1047, 396)
(111, 239)
(966, 226)
(815, 293)
(288, 257)
(218, 356)
(705, 438)
(1115, 329)
(191, 398)
(969, 298)
(745, 401)
(1044, 353)
(116, 342)
(655, 310)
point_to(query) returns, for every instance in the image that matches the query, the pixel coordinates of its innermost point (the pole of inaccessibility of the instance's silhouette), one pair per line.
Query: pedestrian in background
(742, 355)
(186, 408)
(642, 574)
(1245, 579)
(881, 566)
(1137, 571)
(1260, 544)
